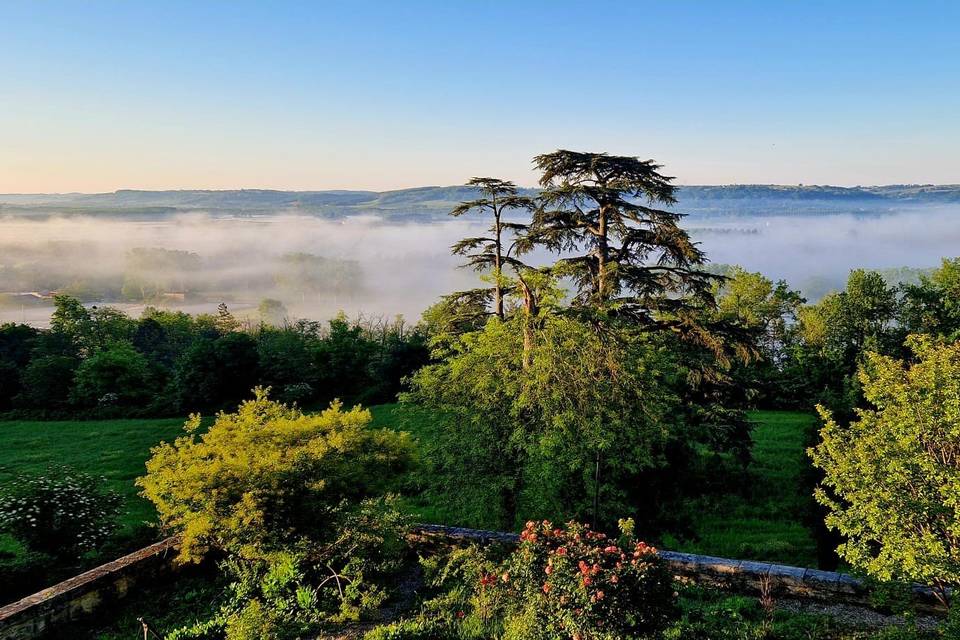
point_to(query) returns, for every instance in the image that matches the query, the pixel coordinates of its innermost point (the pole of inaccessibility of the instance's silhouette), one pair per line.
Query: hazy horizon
(459, 184)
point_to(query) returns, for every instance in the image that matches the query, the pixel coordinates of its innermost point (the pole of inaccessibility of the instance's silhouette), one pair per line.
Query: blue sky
(96, 96)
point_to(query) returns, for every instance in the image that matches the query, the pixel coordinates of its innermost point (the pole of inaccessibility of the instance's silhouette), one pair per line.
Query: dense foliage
(531, 442)
(98, 362)
(577, 583)
(608, 383)
(891, 477)
(560, 582)
(298, 504)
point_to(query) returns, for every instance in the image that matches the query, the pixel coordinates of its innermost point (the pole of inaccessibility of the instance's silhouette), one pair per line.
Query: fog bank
(364, 265)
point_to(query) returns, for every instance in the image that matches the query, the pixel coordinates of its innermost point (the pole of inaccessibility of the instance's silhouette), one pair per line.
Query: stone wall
(56, 606)
(743, 576)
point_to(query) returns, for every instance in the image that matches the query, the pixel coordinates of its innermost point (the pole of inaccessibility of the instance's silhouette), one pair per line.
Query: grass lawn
(115, 449)
(764, 525)
(767, 523)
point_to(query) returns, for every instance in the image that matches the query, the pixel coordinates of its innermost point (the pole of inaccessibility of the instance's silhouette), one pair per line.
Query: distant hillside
(427, 202)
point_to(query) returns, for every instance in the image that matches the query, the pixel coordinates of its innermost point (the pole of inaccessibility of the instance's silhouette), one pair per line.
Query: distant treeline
(100, 362)
(147, 274)
(420, 202)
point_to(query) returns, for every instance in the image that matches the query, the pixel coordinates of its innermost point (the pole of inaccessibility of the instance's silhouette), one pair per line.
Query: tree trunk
(498, 262)
(529, 313)
(602, 287)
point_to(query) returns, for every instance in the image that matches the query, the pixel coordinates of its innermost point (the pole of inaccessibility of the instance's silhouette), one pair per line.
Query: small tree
(892, 478)
(489, 252)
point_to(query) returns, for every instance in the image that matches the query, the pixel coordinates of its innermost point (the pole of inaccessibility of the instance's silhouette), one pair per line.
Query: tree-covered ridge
(435, 201)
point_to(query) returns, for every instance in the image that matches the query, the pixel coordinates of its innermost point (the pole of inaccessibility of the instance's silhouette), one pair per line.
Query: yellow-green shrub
(270, 477)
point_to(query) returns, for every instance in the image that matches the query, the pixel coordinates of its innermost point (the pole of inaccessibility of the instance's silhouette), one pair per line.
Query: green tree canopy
(892, 477)
(118, 374)
(630, 253)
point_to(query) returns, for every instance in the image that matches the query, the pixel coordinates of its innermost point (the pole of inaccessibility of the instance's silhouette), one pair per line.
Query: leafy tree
(869, 305)
(342, 360)
(931, 306)
(286, 358)
(118, 372)
(563, 438)
(152, 340)
(46, 381)
(70, 318)
(834, 335)
(766, 312)
(891, 483)
(215, 373)
(89, 329)
(766, 308)
(17, 342)
(180, 328)
(490, 253)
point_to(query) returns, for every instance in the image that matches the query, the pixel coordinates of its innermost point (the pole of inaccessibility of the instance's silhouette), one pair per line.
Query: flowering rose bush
(573, 582)
(559, 583)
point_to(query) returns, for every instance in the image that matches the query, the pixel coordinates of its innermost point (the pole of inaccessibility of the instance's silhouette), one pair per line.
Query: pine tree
(489, 253)
(630, 256)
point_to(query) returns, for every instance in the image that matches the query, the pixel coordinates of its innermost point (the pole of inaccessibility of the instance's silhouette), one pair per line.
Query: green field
(763, 525)
(767, 523)
(114, 449)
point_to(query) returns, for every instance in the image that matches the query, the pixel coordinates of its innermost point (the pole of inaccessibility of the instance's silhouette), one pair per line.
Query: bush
(567, 582)
(64, 513)
(578, 583)
(297, 503)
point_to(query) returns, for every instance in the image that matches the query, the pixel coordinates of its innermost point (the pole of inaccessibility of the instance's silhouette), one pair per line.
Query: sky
(98, 96)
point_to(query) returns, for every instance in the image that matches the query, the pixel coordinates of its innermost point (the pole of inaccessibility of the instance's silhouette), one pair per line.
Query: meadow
(762, 525)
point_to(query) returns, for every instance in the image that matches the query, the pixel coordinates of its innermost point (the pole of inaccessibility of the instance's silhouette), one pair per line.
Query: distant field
(765, 525)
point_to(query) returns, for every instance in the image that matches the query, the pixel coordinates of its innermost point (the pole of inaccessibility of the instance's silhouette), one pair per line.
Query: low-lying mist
(364, 265)
(816, 253)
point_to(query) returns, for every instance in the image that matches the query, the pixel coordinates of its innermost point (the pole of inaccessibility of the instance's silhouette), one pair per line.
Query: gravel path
(853, 616)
